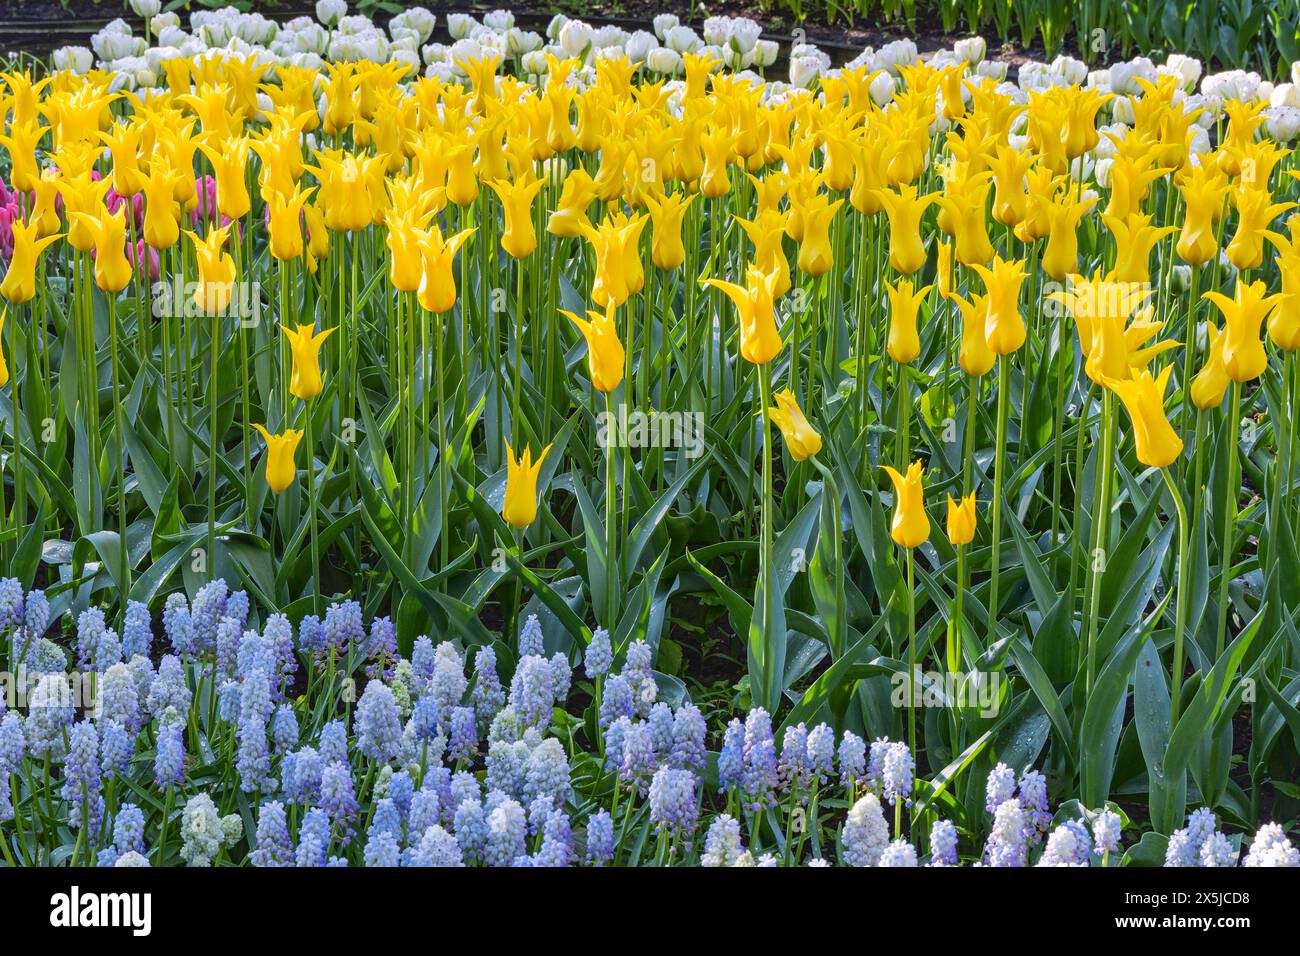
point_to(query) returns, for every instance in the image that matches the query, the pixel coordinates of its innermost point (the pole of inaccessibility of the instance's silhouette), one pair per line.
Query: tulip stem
(124, 559)
(765, 534)
(1180, 608)
(212, 444)
(999, 466)
(1101, 531)
(311, 509)
(1231, 486)
(611, 494)
(911, 653)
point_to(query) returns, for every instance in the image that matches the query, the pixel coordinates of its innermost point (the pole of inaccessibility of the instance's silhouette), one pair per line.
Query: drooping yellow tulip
(1210, 384)
(19, 283)
(801, 439)
(216, 270)
(112, 268)
(520, 505)
(961, 520)
(760, 340)
(304, 345)
(910, 527)
(904, 341)
(666, 216)
(437, 292)
(280, 468)
(1004, 330)
(518, 238)
(1244, 358)
(904, 209)
(1158, 445)
(605, 355)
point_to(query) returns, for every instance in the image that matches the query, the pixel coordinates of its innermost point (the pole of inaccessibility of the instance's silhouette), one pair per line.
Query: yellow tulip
(605, 355)
(1210, 384)
(284, 222)
(437, 292)
(943, 262)
(1255, 210)
(1061, 257)
(1203, 191)
(1004, 330)
(216, 270)
(19, 283)
(405, 263)
(766, 231)
(904, 342)
(666, 216)
(1131, 175)
(1244, 357)
(964, 204)
(280, 468)
(520, 505)
(123, 142)
(1284, 322)
(975, 357)
(304, 344)
(112, 269)
(82, 195)
(801, 438)
(21, 141)
(716, 146)
(229, 159)
(904, 209)
(518, 238)
(570, 215)
(760, 340)
(961, 520)
(816, 256)
(1158, 445)
(162, 215)
(1135, 238)
(347, 191)
(911, 525)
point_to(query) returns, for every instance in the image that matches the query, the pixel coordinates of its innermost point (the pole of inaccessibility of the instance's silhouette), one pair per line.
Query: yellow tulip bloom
(162, 214)
(605, 355)
(904, 209)
(1203, 191)
(910, 527)
(518, 238)
(964, 204)
(284, 222)
(229, 159)
(1061, 257)
(280, 468)
(666, 216)
(1210, 384)
(520, 505)
(1244, 357)
(1255, 210)
(904, 342)
(112, 269)
(1004, 330)
(304, 345)
(437, 292)
(961, 520)
(766, 231)
(760, 340)
(801, 438)
(1135, 238)
(21, 140)
(975, 357)
(570, 215)
(216, 270)
(1158, 445)
(19, 283)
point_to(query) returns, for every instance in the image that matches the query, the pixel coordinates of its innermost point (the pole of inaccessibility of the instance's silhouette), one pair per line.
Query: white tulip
(146, 8)
(881, 89)
(665, 22)
(73, 59)
(765, 52)
(555, 26)
(664, 61)
(1282, 122)
(459, 25)
(971, 49)
(499, 20)
(682, 39)
(639, 45)
(575, 38)
(330, 12)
